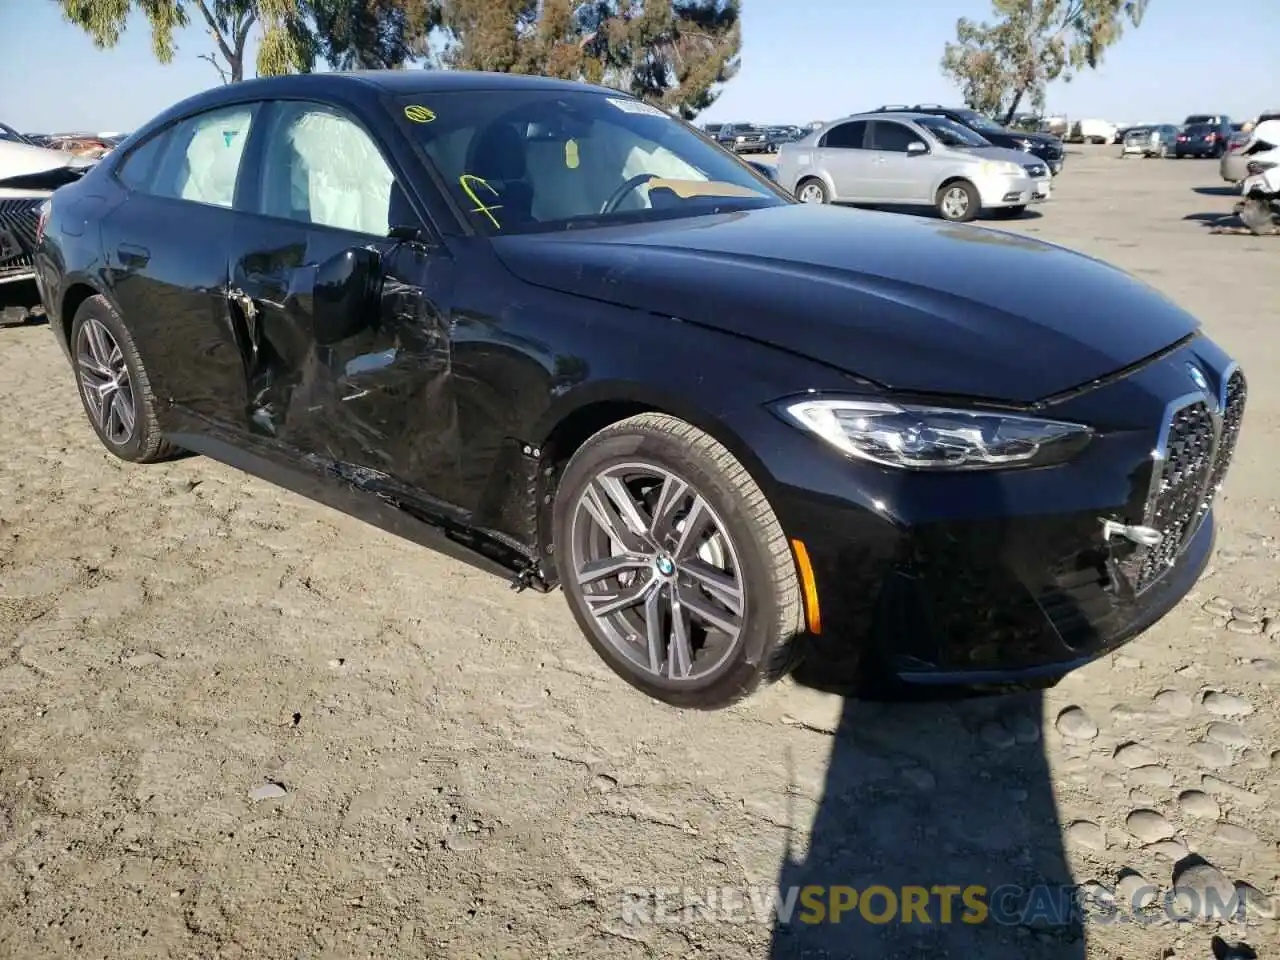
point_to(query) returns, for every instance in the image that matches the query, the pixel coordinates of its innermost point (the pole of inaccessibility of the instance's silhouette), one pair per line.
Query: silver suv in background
(911, 159)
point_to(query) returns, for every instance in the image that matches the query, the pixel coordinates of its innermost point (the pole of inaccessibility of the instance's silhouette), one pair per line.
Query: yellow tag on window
(571, 154)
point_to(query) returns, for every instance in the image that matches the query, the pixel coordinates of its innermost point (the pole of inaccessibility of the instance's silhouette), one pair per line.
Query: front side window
(893, 137)
(847, 136)
(321, 167)
(526, 161)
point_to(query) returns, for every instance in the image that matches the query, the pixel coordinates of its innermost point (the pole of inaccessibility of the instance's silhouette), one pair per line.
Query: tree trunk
(1013, 106)
(236, 64)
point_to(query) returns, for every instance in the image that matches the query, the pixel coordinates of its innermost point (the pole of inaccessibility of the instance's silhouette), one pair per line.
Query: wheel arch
(76, 290)
(589, 409)
(949, 180)
(811, 173)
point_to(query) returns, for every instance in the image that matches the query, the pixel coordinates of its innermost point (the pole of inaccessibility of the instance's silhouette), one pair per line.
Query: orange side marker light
(808, 587)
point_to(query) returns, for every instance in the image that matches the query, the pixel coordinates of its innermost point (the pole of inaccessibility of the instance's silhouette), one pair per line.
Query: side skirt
(377, 500)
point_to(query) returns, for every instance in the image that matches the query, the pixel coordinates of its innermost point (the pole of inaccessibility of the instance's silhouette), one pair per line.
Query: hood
(23, 164)
(913, 304)
(1043, 139)
(1020, 157)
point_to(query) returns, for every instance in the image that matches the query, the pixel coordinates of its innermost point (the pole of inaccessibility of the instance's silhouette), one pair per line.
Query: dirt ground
(236, 724)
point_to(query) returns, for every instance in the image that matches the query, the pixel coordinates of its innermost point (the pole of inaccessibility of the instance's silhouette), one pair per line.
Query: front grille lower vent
(1197, 445)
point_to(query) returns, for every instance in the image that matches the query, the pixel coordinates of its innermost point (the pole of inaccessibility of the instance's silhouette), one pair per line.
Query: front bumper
(1006, 577)
(19, 217)
(1054, 158)
(1012, 191)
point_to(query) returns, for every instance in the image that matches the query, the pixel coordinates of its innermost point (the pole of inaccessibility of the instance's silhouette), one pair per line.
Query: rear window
(1200, 118)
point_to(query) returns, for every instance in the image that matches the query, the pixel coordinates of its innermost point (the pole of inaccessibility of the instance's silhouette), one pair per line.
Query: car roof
(360, 85)
(421, 81)
(881, 115)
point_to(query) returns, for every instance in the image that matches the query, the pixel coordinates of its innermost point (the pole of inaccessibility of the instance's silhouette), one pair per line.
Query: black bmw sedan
(549, 329)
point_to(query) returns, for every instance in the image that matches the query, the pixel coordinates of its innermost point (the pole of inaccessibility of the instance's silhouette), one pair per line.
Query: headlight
(934, 438)
(1001, 168)
(739, 139)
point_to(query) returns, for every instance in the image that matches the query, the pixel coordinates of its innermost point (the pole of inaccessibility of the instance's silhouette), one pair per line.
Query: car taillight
(42, 219)
(1182, 138)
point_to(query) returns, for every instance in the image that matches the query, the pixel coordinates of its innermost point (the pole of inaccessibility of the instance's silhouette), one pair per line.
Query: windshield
(951, 134)
(527, 161)
(979, 122)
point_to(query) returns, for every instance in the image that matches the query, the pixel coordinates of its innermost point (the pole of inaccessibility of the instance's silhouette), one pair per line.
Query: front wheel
(958, 202)
(674, 563)
(812, 190)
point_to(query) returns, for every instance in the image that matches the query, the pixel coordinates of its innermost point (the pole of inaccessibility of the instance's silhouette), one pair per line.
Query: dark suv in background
(1203, 135)
(743, 137)
(1047, 148)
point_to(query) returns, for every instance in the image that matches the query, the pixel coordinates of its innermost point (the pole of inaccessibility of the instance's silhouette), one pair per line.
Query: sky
(802, 60)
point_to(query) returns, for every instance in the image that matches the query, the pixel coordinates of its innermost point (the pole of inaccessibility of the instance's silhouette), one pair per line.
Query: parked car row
(753, 137)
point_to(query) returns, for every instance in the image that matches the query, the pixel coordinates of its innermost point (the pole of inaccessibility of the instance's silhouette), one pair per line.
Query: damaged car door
(335, 291)
(165, 247)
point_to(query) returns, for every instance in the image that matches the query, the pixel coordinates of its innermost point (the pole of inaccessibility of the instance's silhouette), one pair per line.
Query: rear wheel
(958, 202)
(812, 190)
(674, 564)
(113, 385)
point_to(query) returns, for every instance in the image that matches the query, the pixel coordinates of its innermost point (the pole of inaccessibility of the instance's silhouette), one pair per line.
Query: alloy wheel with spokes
(674, 564)
(811, 191)
(658, 571)
(105, 382)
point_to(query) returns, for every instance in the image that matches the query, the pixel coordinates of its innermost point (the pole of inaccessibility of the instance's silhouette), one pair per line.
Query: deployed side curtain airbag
(339, 175)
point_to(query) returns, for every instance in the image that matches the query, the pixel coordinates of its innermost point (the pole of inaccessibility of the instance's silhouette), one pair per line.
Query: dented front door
(381, 400)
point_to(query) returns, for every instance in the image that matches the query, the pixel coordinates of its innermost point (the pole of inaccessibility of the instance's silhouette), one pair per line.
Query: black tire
(773, 619)
(144, 443)
(972, 207)
(817, 189)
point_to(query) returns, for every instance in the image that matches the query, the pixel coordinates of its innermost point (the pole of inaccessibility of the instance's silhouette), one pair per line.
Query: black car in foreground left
(551, 330)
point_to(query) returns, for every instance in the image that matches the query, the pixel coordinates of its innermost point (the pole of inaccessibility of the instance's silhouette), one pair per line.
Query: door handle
(133, 256)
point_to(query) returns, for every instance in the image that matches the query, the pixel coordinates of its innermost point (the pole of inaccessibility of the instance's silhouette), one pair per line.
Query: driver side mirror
(916, 147)
(347, 291)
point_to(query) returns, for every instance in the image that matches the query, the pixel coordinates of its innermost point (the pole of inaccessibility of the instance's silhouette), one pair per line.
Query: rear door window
(846, 136)
(139, 166)
(201, 161)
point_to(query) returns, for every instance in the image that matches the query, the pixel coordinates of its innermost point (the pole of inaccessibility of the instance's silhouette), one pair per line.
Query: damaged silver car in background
(28, 176)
